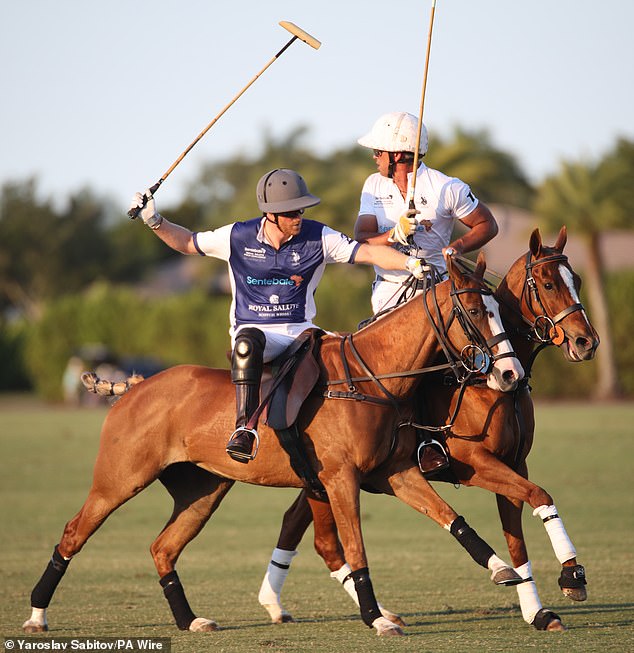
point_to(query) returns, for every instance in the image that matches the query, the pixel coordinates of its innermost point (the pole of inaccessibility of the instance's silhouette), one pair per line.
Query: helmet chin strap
(275, 221)
(391, 166)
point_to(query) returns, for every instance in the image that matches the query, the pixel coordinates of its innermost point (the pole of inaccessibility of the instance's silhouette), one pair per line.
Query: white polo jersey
(441, 201)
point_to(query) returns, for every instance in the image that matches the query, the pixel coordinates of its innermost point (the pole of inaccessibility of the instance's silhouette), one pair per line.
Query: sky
(107, 95)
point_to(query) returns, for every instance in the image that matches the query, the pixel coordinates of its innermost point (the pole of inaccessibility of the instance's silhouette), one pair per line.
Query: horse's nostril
(583, 344)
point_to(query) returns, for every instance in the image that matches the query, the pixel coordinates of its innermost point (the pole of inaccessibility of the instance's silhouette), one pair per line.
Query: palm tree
(590, 198)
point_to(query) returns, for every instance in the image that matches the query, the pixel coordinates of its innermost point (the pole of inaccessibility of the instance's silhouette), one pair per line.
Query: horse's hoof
(555, 626)
(201, 625)
(547, 620)
(575, 593)
(278, 614)
(385, 627)
(506, 576)
(31, 627)
(394, 618)
(572, 582)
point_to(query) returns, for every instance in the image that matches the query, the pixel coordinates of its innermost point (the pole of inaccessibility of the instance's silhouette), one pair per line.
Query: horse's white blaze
(509, 363)
(568, 279)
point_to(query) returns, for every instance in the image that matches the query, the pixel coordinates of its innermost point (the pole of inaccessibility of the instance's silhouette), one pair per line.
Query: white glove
(417, 267)
(148, 212)
(405, 227)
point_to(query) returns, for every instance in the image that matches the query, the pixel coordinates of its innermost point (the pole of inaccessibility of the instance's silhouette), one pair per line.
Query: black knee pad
(247, 356)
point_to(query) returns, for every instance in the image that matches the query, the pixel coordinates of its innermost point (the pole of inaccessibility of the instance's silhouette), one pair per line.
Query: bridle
(475, 358)
(544, 328)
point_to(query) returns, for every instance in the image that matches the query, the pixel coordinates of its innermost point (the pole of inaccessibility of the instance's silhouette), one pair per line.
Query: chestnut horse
(489, 439)
(174, 425)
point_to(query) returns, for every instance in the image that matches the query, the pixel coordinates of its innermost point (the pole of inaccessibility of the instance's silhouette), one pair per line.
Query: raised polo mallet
(297, 33)
(412, 189)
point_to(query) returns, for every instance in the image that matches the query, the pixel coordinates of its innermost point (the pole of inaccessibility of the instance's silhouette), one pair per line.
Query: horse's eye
(548, 285)
(474, 311)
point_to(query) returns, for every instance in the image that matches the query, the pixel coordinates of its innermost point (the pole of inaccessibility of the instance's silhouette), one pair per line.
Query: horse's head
(478, 322)
(548, 292)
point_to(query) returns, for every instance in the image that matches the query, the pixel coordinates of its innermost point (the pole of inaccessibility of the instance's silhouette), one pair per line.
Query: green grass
(583, 456)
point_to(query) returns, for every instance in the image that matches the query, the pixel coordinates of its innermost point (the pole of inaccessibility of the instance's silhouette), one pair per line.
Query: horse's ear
(535, 243)
(561, 239)
(481, 266)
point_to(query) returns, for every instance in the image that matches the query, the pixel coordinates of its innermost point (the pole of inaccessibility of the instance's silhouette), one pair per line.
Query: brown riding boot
(432, 457)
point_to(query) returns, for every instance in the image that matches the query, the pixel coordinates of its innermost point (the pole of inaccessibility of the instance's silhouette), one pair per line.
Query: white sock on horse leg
(275, 576)
(527, 593)
(563, 547)
(343, 576)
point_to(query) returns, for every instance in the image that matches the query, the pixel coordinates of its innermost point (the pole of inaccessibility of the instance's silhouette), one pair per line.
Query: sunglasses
(292, 214)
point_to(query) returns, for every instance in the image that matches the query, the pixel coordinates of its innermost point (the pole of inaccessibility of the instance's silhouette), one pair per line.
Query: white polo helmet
(395, 132)
(282, 190)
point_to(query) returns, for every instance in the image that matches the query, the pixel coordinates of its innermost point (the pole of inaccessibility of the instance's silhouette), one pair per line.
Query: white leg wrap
(275, 576)
(527, 593)
(494, 563)
(564, 550)
(343, 576)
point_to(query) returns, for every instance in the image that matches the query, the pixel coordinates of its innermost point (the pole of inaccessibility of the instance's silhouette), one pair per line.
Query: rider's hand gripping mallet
(297, 33)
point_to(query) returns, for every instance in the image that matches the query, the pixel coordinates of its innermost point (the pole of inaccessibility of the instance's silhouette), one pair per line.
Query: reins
(455, 359)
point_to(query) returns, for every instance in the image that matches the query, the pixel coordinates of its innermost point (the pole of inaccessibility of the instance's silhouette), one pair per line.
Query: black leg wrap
(476, 547)
(175, 595)
(43, 592)
(543, 618)
(572, 577)
(367, 601)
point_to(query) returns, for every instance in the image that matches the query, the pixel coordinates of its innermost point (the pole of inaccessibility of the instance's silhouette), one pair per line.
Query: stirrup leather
(240, 454)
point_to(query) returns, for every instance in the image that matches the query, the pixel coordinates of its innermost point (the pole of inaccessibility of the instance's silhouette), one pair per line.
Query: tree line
(58, 261)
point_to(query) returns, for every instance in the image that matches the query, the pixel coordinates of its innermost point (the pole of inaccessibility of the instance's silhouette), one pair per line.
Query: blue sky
(109, 94)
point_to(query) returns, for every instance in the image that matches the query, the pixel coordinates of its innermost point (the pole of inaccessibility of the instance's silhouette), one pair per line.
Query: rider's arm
(366, 230)
(177, 237)
(482, 228)
(385, 257)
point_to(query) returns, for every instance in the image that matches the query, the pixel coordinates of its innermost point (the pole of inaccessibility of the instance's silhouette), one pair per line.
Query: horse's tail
(106, 388)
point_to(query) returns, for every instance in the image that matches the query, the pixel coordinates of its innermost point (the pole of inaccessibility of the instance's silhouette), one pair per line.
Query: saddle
(294, 375)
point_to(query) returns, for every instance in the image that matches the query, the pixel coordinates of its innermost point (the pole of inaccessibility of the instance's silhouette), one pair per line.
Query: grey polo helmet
(283, 190)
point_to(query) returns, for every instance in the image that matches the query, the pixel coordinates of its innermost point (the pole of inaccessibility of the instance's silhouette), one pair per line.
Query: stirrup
(239, 455)
(440, 446)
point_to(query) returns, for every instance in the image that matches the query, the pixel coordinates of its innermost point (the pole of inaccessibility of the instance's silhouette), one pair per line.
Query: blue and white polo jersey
(269, 286)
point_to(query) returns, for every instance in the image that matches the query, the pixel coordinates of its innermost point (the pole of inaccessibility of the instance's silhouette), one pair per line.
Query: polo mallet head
(301, 34)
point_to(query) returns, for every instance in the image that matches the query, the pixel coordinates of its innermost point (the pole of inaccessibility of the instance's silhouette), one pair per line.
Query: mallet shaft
(297, 33)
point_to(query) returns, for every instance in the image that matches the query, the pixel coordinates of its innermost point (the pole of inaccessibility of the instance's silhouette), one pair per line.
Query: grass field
(583, 456)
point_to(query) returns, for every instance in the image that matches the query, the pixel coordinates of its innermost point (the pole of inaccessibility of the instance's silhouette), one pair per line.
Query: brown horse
(489, 439)
(173, 427)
